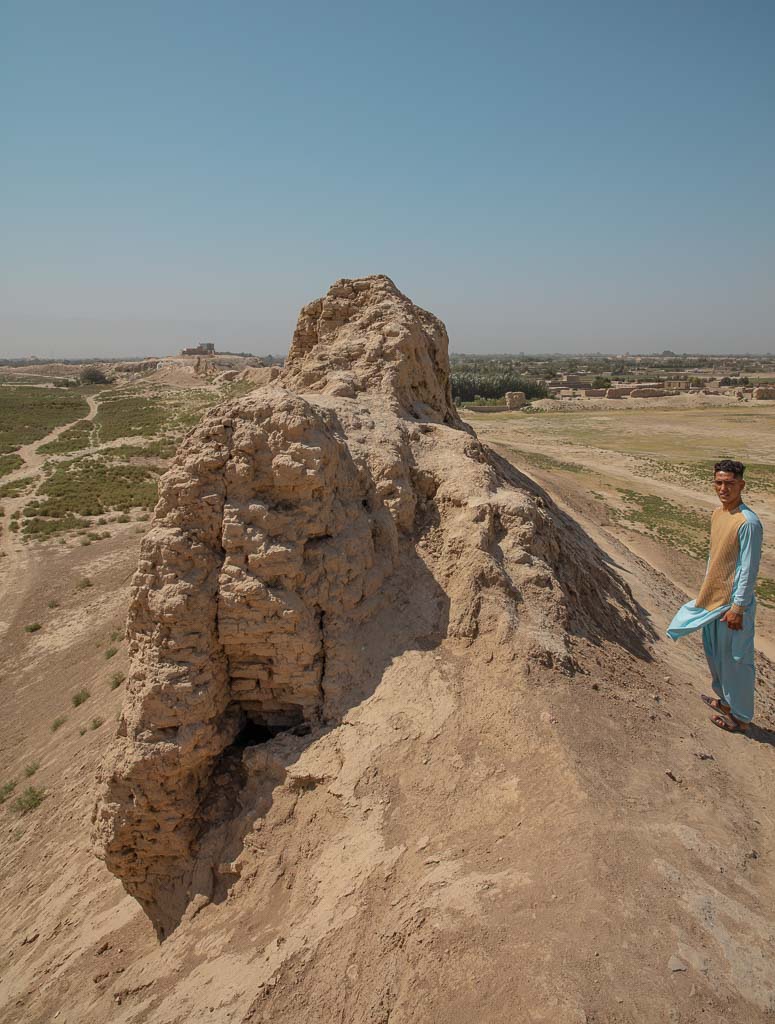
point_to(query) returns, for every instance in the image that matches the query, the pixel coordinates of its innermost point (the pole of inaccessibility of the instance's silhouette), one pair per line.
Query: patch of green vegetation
(765, 591)
(88, 486)
(84, 584)
(42, 529)
(237, 388)
(116, 680)
(33, 627)
(164, 448)
(73, 439)
(675, 525)
(53, 603)
(6, 789)
(96, 723)
(542, 461)
(164, 414)
(31, 768)
(80, 698)
(13, 488)
(9, 463)
(28, 413)
(31, 798)
(58, 723)
(123, 416)
(699, 475)
(111, 651)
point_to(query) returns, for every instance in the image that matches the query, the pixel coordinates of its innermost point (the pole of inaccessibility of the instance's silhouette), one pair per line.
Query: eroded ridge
(343, 500)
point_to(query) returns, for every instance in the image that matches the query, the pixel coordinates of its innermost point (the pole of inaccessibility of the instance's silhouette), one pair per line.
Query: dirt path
(14, 554)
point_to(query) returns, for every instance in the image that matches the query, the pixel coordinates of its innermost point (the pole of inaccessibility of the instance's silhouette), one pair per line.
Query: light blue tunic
(730, 652)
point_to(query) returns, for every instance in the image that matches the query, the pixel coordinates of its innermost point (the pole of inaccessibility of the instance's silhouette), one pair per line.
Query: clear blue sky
(563, 176)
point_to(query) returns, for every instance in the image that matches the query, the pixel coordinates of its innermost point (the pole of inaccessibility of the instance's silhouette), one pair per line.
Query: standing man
(726, 606)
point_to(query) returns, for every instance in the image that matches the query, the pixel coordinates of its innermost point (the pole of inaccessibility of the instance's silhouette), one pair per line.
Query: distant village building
(207, 348)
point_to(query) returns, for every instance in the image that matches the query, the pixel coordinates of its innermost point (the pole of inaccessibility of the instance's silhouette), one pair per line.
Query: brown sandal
(730, 724)
(715, 703)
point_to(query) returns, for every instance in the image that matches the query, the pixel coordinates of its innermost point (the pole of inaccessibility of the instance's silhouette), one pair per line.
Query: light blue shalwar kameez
(730, 652)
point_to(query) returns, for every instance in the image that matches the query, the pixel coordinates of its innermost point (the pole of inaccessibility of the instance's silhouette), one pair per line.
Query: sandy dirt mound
(286, 533)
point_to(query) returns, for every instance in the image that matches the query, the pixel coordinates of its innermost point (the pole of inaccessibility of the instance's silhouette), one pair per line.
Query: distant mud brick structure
(595, 392)
(764, 393)
(515, 399)
(207, 348)
(306, 536)
(618, 392)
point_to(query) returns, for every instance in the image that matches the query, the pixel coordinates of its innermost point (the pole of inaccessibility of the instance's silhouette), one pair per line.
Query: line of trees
(467, 386)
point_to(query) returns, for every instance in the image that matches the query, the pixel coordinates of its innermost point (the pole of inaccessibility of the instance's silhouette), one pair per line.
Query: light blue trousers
(730, 655)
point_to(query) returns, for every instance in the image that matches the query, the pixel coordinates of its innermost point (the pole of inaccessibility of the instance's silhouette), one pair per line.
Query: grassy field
(74, 439)
(27, 414)
(90, 486)
(669, 435)
(101, 468)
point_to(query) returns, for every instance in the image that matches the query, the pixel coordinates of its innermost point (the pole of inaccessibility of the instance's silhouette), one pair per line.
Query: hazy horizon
(136, 337)
(555, 177)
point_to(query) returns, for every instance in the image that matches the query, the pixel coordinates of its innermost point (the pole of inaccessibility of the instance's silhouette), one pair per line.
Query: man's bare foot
(715, 703)
(730, 724)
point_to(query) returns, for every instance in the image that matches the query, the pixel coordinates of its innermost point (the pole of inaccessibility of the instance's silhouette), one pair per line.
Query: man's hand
(733, 620)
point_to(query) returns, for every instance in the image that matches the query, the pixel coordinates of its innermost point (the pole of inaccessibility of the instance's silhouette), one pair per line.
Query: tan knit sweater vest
(716, 589)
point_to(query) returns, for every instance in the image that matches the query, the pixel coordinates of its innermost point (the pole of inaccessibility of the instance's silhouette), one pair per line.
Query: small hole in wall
(252, 733)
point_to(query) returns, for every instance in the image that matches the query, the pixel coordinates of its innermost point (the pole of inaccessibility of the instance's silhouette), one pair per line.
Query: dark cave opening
(252, 733)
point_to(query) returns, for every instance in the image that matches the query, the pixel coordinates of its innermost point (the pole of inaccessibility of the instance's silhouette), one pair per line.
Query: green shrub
(96, 723)
(93, 375)
(53, 603)
(29, 800)
(33, 627)
(111, 651)
(83, 584)
(116, 680)
(6, 789)
(58, 723)
(31, 768)
(79, 698)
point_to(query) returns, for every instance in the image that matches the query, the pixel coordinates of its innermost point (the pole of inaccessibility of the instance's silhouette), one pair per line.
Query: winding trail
(14, 554)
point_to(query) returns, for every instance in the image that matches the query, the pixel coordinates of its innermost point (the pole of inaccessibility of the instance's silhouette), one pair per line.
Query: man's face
(728, 487)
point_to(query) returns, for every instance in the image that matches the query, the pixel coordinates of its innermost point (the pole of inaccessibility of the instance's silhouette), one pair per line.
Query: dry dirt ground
(590, 850)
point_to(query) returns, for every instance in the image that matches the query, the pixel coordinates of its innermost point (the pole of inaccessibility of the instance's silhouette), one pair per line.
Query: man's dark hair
(729, 466)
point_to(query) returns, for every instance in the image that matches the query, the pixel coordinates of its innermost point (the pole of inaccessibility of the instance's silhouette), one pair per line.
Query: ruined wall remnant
(763, 393)
(306, 535)
(653, 393)
(515, 399)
